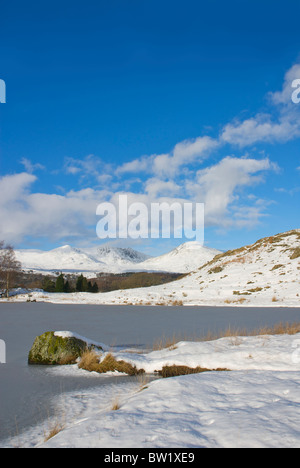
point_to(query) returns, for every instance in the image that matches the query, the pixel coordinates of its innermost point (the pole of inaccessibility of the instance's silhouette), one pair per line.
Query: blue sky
(181, 100)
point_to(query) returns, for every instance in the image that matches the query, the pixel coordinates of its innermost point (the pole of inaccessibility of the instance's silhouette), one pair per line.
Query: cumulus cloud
(218, 187)
(168, 165)
(15, 188)
(260, 128)
(281, 124)
(26, 213)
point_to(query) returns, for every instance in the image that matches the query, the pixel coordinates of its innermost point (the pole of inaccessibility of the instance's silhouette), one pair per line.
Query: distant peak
(64, 247)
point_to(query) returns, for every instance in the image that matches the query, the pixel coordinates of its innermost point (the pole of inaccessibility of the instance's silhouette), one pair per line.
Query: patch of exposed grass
(177, 303)
(275, 267)
(295, 254)
(253, 290)
(174, 371)
(239, 293)
(241, 300)
(90, 362)
(217, 269)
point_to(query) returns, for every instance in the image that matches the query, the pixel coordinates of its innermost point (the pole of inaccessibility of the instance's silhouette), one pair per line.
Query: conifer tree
(60, 284)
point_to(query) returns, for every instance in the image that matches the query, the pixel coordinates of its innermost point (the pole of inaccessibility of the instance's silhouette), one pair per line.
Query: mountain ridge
(106, 259)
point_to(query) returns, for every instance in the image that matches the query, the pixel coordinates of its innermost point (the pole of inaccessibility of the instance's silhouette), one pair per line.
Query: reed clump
(174, 371)
(90, 361)
(280, 328)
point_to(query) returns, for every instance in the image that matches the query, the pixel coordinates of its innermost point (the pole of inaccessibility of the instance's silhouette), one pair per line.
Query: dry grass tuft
(281, 329)
(278, 329)
(55, 429)
(166, 342)
(116, 405)
(174, 371)
(90, 362)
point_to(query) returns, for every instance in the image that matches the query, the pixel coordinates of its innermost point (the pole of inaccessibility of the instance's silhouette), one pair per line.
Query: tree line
(61, 285)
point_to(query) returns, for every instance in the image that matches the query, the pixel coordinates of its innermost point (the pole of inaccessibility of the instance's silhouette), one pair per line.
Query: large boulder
(55, 349)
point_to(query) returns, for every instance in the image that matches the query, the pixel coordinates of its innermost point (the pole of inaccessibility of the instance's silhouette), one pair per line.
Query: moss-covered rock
(49, 349)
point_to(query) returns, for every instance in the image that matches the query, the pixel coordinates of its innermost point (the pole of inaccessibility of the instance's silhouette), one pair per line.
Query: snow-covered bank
(212, 410)
(255, 404)
(158, 296)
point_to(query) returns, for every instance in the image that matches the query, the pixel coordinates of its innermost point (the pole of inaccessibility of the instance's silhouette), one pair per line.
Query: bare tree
(9, 267)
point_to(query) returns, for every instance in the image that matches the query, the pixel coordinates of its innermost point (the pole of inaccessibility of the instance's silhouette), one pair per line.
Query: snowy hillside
(265, 273)
(67, 259)
(262, 274)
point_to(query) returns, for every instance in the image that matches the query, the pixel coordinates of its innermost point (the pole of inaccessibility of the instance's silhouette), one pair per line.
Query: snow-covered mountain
(183, 259)
(71, 260)
(67, 259)
(116, 256)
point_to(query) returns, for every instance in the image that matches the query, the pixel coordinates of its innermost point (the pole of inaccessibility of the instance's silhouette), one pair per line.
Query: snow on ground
(255, 404)
(263, 274)
(214, 410)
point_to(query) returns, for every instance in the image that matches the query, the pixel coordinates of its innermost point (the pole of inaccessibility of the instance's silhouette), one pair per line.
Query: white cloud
(168, 165)
(14, 188)
(260, 129)
(189, 151)
(284, 96)
(155, 187)
(281, 124)
(218, 187)
(25, 213)
(142, 164)
(31, 167)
